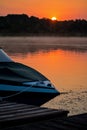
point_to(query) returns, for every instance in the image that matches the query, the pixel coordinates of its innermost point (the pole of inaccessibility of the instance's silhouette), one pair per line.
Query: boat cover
(4, 57)
(17, 73)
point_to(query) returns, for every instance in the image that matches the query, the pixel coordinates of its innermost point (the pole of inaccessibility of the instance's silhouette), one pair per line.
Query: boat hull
(31, 96)
(23, 84)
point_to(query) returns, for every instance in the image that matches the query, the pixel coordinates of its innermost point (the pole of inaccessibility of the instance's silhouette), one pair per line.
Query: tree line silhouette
(14, 24)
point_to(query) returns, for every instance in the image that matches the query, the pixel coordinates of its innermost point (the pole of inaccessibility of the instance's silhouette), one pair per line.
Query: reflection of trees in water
(24, 45)
(28, 48)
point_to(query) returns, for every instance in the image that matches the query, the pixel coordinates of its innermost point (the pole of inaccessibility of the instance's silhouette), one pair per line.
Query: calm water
(62, 60)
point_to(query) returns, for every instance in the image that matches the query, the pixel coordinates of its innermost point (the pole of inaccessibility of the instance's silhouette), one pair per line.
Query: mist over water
(63, 60)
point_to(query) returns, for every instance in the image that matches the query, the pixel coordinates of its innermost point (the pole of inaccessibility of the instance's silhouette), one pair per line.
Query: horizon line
(42, 17)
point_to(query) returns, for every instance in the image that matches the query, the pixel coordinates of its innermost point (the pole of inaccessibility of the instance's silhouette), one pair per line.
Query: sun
(53, 18)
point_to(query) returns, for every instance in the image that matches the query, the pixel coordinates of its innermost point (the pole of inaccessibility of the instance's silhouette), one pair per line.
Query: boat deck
(14, 116)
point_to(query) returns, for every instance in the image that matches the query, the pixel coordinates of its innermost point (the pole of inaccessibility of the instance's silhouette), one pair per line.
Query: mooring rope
(2, 98)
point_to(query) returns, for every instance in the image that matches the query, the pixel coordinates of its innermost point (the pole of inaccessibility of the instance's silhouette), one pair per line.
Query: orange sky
(62, 9)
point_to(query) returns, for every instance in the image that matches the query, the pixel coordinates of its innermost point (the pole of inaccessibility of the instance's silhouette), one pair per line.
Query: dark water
(63, 60)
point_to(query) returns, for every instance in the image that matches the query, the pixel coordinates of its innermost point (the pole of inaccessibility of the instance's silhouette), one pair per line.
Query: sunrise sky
(61, 9)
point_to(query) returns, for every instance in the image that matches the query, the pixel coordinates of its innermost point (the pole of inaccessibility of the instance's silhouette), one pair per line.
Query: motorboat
(23, 84)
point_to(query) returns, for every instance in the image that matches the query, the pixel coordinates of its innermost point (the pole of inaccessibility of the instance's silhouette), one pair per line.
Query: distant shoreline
(22, 25)
(39, 35)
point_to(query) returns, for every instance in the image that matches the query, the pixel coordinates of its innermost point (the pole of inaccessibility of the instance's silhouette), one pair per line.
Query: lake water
(62, 60)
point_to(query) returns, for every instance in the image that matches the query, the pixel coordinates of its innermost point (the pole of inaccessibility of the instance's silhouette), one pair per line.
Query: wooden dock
(14, 116)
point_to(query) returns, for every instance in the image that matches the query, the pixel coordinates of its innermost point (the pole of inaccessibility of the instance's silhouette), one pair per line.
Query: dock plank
(14, 113)
(14, 116)
(65, 123)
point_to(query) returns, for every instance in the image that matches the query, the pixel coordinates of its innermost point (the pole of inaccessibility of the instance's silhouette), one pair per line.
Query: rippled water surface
(63, 60)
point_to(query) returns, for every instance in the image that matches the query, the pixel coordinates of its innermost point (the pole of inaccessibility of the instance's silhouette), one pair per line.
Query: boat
(23, 84)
